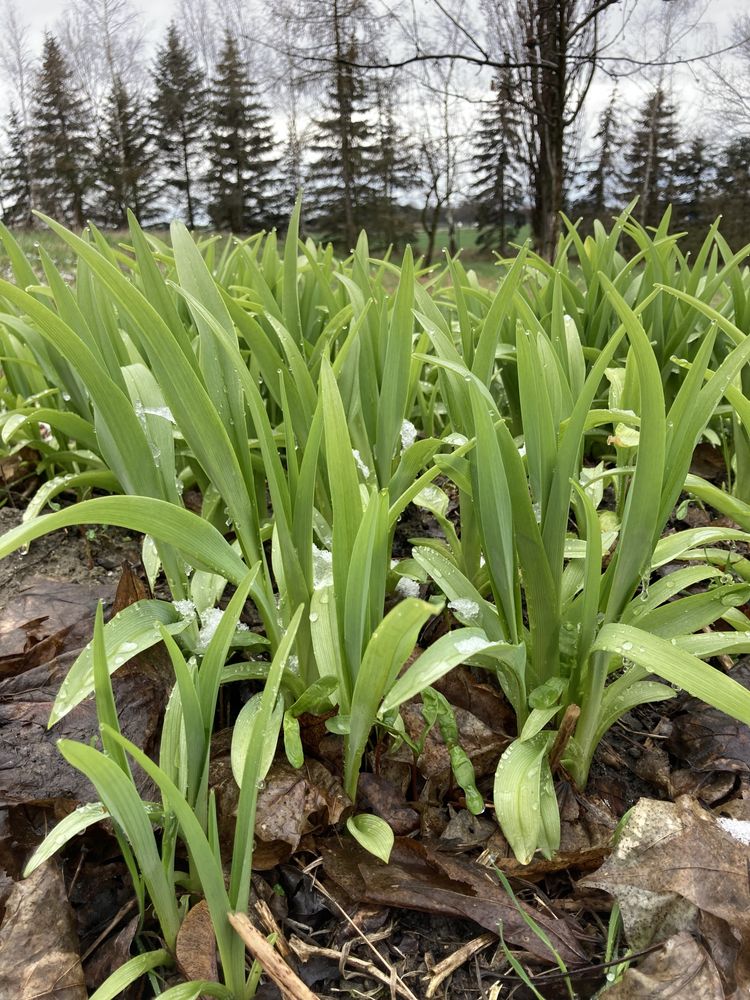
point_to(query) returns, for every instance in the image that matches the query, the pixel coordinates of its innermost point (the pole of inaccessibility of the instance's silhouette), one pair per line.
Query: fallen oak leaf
(39, 954)
(675, 869)
(680, 968)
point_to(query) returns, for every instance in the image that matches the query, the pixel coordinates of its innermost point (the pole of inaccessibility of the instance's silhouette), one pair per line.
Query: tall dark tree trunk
(344, 100)
(188, 183)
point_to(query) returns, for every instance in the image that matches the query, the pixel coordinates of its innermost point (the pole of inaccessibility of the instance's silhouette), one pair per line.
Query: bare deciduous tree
(16, 58)
(199, 27)
(105, 43)
(440, 141)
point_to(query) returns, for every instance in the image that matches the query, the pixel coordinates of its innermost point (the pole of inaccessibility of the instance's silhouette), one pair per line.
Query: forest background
(445, 122)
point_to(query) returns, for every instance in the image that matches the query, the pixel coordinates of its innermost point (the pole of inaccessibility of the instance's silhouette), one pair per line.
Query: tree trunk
(344, 102)
(430, 227)
(552, 34)
(188, 181)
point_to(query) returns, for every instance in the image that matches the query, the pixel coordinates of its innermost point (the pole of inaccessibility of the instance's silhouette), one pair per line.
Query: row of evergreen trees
(656, 163)
(648, 159)
(203, 148)
(206, 149)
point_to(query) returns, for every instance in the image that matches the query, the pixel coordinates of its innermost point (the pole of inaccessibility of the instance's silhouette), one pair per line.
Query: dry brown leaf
(292, 803)
(464, 690)
(676, 869)
(131, 588)
(388, 802)
(680, 968)
(482, 745)
(196, 944)
(38, 941)
(420, 877)
(707, 739)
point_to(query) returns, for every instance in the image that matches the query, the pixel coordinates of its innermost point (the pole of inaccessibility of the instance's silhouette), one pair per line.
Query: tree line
(199, 134)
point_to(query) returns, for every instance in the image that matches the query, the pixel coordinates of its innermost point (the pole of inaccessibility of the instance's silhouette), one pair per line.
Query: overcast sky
(687, 88)
(42, 13)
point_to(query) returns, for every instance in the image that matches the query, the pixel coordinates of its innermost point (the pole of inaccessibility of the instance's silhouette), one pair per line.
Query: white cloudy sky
(42, 13)
(688, 85)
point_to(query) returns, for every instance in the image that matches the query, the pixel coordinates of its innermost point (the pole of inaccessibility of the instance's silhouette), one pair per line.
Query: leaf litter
(45, 624)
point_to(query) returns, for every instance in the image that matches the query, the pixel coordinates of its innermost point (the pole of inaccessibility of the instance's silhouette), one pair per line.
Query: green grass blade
(122, 801)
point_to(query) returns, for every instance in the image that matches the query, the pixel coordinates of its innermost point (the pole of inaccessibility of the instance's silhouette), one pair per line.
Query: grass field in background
(475, 258)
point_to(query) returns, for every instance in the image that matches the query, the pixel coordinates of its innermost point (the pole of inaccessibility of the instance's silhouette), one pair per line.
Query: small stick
(305, 951)
(394, 978)
(269, 922)
(290, 984)
(564, 733)
(448, 965)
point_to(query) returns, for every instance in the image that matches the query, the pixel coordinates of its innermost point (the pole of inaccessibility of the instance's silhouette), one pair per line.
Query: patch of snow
(185, 608)
(408, 434)
(465, 608)
(739, 829)
(322, 568)
(209, 623)
(467, 647)
(407, 587)
(360, 464)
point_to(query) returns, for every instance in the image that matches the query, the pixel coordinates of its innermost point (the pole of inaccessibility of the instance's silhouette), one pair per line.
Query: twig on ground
(306, 951)
(290, 984)
(449, 965)
(269, 922)
(396, 983)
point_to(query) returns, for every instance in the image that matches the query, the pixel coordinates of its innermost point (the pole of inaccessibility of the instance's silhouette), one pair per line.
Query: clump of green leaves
(308, 402)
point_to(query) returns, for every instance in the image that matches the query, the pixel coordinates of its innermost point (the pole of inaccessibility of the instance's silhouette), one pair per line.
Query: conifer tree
(392, 169)
(603, 177)
(499, 167)
(15, 175)
(650, 159)
(291, 167)
(733, 191)
(125, 159)
(61, 141)
(240, 147)
(341, 142)
(695, 175)
(178, 111)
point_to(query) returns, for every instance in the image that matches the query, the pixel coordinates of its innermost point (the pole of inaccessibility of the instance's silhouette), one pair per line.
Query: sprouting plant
(303, 407)
(580, 630)
(187, 813)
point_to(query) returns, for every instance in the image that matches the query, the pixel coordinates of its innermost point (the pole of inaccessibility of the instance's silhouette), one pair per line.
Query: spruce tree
(15, 175)
(392, 170)
(695, 174)
(61, 141)
(178, 111)
(732, 191)
(240, 147)
(600, 194)
(499, 167)
(125, 159)
(650, 160)
(341, 143)
(291, 167)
